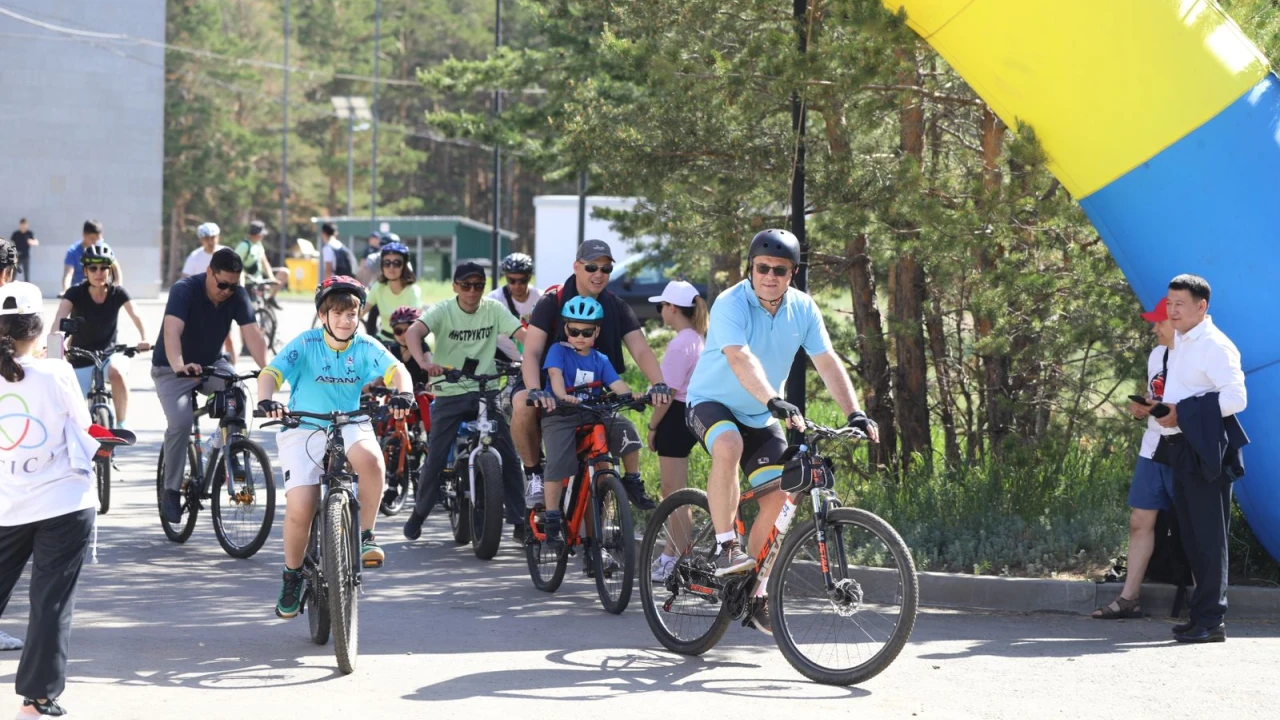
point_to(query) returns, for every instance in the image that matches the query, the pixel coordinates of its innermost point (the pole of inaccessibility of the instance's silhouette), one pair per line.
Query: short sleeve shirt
(322, 379)
(738, 318)
(98, 320)
(206, 325)
(679, 361)
(523, 310)
(381, 297)
(254, 257)
(73, 256)
(580, 370)
(619, 321)
(461, 336)
(198, 261)
(22, 240)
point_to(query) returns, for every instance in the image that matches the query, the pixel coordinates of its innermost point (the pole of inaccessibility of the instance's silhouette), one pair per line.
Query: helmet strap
(343, 341)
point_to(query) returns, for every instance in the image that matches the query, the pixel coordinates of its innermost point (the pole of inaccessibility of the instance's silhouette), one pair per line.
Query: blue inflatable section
(1210, 204)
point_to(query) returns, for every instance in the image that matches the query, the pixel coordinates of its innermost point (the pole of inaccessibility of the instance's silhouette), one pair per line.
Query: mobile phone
(1159, 410)
(69, 325)
(1140, 399)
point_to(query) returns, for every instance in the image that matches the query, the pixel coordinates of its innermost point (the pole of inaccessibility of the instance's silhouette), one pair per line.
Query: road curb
(1075, 597)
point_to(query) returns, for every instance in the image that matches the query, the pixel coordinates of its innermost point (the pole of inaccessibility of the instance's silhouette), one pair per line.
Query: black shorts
(673, 438)
(761, 447)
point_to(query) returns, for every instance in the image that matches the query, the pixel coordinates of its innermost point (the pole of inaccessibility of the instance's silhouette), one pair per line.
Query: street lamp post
(351, 108)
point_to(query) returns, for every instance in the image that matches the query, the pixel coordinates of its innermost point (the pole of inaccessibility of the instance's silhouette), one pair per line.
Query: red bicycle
(404, 447)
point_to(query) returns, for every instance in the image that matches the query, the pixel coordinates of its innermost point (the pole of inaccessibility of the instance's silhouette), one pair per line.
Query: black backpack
(344, 262)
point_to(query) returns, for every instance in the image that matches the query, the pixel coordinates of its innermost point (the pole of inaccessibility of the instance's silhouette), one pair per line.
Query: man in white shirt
(1203, 360)
(198, 261)
(518, 296)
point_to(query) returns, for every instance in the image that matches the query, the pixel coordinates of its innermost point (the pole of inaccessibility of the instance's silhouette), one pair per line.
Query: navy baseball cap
(466, 270)
(592, 249)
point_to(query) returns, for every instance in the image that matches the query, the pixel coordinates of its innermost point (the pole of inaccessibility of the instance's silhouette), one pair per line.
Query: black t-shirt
(206, 326)
(416, 374)
(619, 320)
(20, 238)
(98, 320)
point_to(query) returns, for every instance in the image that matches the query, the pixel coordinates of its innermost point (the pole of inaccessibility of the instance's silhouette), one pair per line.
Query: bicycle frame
(592, 450)
(336, 479)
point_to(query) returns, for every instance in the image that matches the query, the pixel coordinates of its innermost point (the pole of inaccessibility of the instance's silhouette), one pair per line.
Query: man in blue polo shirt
(757, 327)
(72, 270)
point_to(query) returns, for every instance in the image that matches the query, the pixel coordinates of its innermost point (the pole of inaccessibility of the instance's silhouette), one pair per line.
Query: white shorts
(301, 452)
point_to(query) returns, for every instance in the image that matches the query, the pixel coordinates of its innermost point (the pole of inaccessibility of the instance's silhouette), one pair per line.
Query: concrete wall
(82, 132)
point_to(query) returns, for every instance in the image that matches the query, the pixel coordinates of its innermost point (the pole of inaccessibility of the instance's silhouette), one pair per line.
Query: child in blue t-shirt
(574, 370)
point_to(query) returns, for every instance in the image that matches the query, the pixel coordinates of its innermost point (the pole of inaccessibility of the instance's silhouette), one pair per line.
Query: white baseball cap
(20, 298)
(677, 292)
(208, 230)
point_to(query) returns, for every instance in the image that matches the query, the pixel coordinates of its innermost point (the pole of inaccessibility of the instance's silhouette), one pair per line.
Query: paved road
(166, 630)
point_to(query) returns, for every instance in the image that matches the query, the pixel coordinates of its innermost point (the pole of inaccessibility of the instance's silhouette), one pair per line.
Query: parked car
(637, 279)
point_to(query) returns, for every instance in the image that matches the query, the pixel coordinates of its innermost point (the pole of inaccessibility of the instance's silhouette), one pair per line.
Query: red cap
(1161, 312)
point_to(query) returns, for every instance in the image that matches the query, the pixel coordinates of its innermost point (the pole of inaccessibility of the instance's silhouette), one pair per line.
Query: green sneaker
(290, 601)
(371, 555)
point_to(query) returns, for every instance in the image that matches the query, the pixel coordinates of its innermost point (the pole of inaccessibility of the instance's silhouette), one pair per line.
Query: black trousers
(1204, 516)
(58, 545)
(24, 262)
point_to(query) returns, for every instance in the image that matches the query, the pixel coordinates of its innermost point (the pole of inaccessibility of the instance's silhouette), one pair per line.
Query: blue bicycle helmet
(583, 309)
(394, 247)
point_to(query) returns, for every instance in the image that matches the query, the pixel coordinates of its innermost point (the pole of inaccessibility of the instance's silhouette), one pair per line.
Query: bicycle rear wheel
(851, 633)
(179, 532)
(243, 522)
(455, 498)
(682, 597)
(102, 468)
(318, 612)
(266, 318)
(340, 558)
(486, 507)
(397, 485)
(615, 545)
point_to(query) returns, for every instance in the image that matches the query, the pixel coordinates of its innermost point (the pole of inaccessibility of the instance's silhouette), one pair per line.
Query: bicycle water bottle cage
(804, 472)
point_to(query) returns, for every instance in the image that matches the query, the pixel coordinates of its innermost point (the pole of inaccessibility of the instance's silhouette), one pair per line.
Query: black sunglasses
(659, 307)
(586, 333)
(471, 285)
(517, 280)
(778, 270)
(228, 285)
(96, 268)
(593, 268)
(393, 263)
(400, 329)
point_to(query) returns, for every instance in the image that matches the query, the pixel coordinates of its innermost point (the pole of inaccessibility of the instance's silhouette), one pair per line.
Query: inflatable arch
(1163, 120)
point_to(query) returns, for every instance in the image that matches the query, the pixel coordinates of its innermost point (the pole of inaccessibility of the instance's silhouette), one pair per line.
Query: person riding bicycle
(467, 327)
(96, 302)
(573, 359)
(257, 267)
(197, 322)
(756, 329)
(519, 296)
(395, 286)
(326, 367)
(402, 319)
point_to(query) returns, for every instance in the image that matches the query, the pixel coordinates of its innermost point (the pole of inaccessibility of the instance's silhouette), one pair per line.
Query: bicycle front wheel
(244, 509)
(318, 613)
(102, 468)
(850, 633)
(682, 597)
(181, 530)
(615, 545)
(486, 507)
(546, 569)
(340, 559)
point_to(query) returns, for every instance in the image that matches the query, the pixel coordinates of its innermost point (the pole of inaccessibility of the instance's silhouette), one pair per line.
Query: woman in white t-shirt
(682, 308)
(517, 295)
(47, 497)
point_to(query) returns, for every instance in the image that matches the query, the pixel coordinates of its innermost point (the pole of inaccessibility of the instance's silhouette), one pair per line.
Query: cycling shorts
(301, 452)
(761, 447)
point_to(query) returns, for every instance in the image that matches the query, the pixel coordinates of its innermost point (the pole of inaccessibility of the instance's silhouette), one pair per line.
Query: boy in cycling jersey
(576, 361)
(326, 367)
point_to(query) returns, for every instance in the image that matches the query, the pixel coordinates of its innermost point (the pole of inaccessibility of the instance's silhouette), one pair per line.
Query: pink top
(680, 359)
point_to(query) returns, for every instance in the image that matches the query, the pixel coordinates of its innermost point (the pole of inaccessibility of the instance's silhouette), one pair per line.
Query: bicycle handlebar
(294, 418)
(824, 432)
(604, 404)
(212, 372)
(453, 375)
(101, 356)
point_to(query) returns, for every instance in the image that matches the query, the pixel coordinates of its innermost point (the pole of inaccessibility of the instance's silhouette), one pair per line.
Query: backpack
(344, 261)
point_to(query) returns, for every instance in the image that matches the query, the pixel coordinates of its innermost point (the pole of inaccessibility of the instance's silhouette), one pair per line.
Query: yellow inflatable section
(1107, 84)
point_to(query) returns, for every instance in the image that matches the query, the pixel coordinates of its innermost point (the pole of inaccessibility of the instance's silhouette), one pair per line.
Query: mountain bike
(101, 410)
(238, 479)
(472, 482)
(596, 488)
(331, 568)
(843, 581)
(263, 313)
(404, 447)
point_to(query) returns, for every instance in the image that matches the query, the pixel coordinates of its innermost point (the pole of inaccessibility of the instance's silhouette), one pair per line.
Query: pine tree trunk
(942, 371)
(995, 366)
(873, 360)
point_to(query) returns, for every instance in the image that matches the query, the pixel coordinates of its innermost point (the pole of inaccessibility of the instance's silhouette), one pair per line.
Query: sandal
(1120, 609)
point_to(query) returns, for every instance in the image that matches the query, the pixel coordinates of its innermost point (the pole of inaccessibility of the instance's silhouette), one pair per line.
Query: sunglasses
(400, 329)
(777, 270)
(585, 333)
(594, 268)
(517, 280)
(659, 307)
(471, 285)
(224, 286)
(393, 263)
(96, 268)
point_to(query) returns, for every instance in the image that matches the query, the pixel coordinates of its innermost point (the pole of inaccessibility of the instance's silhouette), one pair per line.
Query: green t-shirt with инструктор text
(462, 335)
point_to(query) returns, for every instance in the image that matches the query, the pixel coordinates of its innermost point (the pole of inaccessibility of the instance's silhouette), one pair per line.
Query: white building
(556, 233)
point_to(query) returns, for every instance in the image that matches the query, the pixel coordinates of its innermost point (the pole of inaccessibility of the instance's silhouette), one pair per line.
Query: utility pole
(495, 242)
(582, 207)
(284, 147)
(377, 40)
(795, 381)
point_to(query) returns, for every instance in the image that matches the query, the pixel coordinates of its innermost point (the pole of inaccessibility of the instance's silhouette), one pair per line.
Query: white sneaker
(533, 495)
(662, 568)
(9, 642)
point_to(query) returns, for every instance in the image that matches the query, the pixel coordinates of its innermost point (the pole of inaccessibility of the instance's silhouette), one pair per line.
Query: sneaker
(371, 555)
(518, 532)
(413, 526)
(553, 545)
(732, 560)
(533, 496)
(274, 303)
(37, 708)
(589, 565)
(662, 568)
(290, 601)
(634, 486)
(760, 618)
(389, 496)
(171, 506)
(9, 642)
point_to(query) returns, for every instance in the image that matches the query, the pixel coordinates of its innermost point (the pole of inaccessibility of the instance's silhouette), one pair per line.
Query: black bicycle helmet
(8, 254)
(517, 263)
(98, 254)
(339, 283)
(775, 243)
